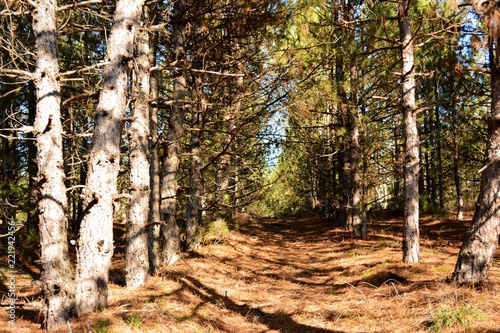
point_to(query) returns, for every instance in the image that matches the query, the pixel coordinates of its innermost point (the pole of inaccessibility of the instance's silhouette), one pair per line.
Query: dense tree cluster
(164, 116)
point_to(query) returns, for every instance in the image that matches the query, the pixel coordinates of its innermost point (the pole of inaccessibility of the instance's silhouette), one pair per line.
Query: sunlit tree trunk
(137, 263)
(57, 275)
(411, 241)
(95, 245)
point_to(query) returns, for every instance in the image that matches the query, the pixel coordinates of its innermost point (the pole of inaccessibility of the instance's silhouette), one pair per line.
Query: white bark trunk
(137, 265)
(95, 245)
(411, 247)
(57, 275)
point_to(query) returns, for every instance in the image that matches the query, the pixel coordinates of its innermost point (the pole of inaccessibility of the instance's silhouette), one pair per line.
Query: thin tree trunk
(481, 240)
(154, 173)
(194, 211)
(397, 165)
(224, 169)
(440, 177)
(8, 166)
(411, 235)
(456, 162)
(342, 157)
(32, 224)
(355, 222)
(137, 263)
(95, 245)
(57, 275)
(425, 177)
(170, 231)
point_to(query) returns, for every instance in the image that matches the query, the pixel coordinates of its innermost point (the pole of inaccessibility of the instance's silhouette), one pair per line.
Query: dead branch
(78, 4)
(157, 68)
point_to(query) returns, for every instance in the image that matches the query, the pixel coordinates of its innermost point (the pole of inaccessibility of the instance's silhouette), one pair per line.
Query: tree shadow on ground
(275, 321)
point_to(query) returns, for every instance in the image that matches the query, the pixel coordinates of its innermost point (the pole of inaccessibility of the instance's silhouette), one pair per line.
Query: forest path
(304, 275)
(299, 275)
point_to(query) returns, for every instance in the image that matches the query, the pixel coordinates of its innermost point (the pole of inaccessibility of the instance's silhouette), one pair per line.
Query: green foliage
(102, 326)
(282, 196)
(134, 321)
(215, 231)
(459, 316)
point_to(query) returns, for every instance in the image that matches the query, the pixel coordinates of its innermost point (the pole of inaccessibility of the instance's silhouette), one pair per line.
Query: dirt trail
(302, 275)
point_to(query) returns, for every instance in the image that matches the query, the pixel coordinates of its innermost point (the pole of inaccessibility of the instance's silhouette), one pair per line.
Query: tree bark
(154, 171)
(397, 166)
(456, 162)
(57, 275)
(170, 231)
(411, 233)
(137, 263)
(481, 240)
(193, 218)
(32, 218)
(95, 245)
(354, 222)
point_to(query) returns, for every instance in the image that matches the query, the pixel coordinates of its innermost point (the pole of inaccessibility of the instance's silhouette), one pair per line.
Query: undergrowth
(454, 316)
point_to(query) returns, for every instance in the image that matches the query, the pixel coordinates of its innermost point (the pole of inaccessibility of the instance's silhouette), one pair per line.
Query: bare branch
(79, 4)
(479, 69)
(196, 71)
(16, 73)
(84, 69)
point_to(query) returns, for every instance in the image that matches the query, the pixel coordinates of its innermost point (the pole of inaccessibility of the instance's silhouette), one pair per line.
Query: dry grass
(299, 275)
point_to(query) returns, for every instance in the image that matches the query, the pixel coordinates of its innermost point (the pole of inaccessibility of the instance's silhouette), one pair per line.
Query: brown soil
(294, 275)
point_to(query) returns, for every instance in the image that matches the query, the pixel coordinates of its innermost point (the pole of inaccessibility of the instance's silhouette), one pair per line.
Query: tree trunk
(398, 161)
(170, 231)
(137, 264)
(440, 177)
(193, 218)
(354, 222)
(456, 162)
(411, 204)
(95, 245)
(481, 240)
(32, 219)
(8, 165)
(57, 275)
(154, 171)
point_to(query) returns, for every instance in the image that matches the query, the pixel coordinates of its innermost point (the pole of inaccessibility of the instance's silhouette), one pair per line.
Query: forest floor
(292, 275)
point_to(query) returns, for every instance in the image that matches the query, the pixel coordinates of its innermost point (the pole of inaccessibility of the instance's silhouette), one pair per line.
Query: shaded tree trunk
(95, 245)
(32, 220)
(411, 234)
(354, 221)
(481, 240)
(440, 178)
(170, 231)
(8, 166)
(456, 162)
(194, 205)
(136, 260)
(154, 171)
(397, 166)
(57, 275)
